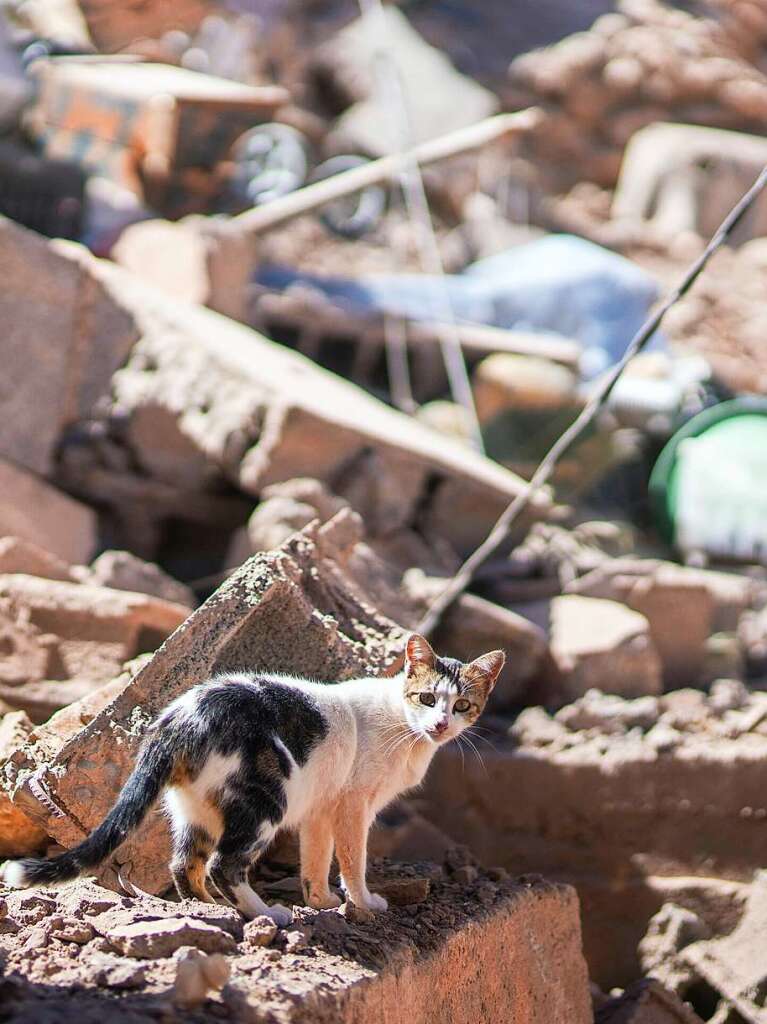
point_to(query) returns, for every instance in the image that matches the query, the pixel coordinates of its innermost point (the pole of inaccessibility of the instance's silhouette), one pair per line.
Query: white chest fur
(409, 773)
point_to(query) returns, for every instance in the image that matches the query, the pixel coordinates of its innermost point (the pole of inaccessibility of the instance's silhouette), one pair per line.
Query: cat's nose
(441, 726)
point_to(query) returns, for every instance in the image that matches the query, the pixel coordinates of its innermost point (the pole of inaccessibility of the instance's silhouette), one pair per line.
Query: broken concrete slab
(636, 815)
(326, 967)
(202, 402)
(149, 940)
(646, 1002)
(668, 933)
(599, 644)
(93, 336)
(34, 511)
(122, 570)
(736, 965)
(21, 556)
(19, 835)
(302, 590)
(383, 569)
(683, 606)
(439, 99)
(64, 639)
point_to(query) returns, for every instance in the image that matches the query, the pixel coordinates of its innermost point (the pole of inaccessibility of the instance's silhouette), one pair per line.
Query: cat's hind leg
(192, 845)
(228, 869)
(252, 809)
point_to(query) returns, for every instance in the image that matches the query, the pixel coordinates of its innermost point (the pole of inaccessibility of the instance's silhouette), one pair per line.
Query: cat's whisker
(398, 741)
(463, 756)
(476, 753)
(484, 739)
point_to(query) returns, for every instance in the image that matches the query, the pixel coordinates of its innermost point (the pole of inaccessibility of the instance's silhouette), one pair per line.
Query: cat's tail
(153, 769)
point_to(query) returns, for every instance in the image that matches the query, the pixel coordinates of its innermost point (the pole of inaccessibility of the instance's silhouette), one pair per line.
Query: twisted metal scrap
(500, 531)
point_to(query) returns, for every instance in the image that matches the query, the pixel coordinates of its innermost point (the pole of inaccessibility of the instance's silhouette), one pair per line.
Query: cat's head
(443, 696)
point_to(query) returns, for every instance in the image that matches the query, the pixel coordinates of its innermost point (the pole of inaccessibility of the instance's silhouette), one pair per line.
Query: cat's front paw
(375, 903)
(281, 916)
(324, 902)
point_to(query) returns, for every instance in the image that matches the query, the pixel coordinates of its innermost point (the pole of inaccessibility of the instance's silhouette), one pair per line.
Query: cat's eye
(428, 699)
(461, 706)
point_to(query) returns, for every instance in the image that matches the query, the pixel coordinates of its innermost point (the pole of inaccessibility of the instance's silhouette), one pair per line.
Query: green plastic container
(708, 489)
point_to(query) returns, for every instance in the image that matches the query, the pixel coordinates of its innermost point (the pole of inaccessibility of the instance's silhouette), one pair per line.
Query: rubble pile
(723, 328)
(114, 25)
(83, 952)
(746, 25)
(237, 433)
(636, 802)
(647, 62)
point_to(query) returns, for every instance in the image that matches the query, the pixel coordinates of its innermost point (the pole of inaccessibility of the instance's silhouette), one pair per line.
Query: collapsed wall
(157, 410)
(647, 62)
(483, 950)
(635, 802)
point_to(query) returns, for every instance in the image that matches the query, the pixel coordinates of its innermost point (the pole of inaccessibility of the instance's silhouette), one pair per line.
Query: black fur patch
(451, 670)
(231, 716)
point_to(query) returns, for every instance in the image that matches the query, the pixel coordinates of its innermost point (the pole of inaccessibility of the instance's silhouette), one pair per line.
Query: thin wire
(417, 204)
(397, 366)
(597, 400)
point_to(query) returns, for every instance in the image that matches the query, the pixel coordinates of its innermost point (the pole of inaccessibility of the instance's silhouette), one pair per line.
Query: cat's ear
(418, 653)
(484, 671)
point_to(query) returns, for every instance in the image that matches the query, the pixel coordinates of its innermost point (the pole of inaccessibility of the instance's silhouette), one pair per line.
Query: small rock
(466, 874)
(102, 945)
(37, 939)
(29, 908)
(329, 922)
(664, 737)
(154, 939)
(121, 974)
(74, 931)
(197, 975)
(402, 892)
(260, 931)
(355, 914)
(531, 879)
(497, 874)
(122, 570)
(296, 939)
(486, 894)
(457, 856)
(727, 695)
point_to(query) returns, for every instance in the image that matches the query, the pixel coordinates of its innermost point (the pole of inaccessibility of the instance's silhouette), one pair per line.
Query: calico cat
(246, 754)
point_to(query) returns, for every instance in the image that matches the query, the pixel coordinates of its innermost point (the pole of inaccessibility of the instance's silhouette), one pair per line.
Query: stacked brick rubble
(645, 63)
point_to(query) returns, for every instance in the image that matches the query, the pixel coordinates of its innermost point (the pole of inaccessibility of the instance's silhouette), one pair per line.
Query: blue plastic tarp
(560, 284)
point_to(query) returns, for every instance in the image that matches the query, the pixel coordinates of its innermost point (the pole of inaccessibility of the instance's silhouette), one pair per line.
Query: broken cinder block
(598, 644)
(34, 511)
